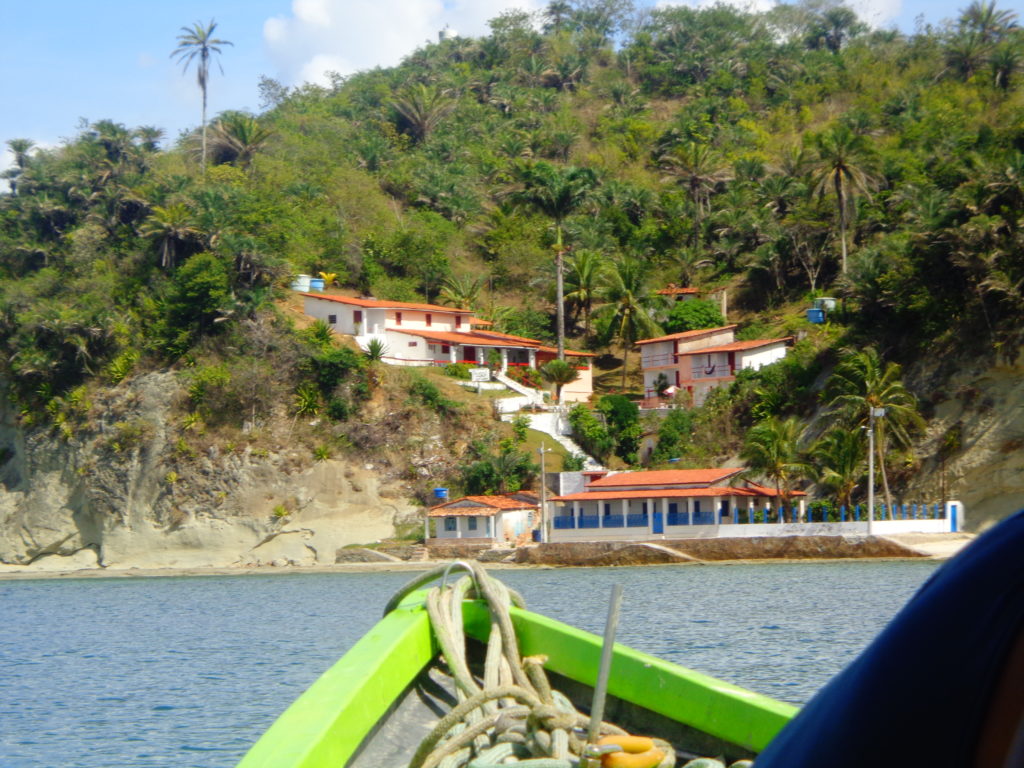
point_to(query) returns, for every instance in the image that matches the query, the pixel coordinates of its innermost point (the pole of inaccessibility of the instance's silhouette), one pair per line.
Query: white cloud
(350, 35)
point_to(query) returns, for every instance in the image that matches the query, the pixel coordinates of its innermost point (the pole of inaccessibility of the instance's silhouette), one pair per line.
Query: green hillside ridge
(778, 156)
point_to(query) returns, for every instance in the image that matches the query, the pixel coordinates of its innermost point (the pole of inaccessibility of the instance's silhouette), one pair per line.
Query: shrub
(693, 315)
(457, 371)
(590, 433)
(524, 375)
(428, 394)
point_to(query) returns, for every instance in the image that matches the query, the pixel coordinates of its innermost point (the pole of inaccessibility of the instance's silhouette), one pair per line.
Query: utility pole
(543, 495)
(873, 413)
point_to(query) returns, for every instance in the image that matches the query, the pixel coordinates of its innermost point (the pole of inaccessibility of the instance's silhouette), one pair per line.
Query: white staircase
(554, 423)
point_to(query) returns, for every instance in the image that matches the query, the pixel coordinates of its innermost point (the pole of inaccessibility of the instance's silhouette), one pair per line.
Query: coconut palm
(556, 192)
(628, 306)
(197, 44)
(559, 373)
(699, 168)
(20, 149)
(987, 21)
(771, 450)
(422, 109)
(581, 282)
(839, 456)
(237, 138)
(860, 383)
(462, 292)
(171, 226)
(842, 159)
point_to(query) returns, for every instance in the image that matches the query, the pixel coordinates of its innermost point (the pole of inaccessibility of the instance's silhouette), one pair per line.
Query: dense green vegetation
(781, 155)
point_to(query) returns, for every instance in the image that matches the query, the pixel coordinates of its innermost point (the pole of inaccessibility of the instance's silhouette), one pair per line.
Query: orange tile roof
(487, 506)
(570, 352)
(481, 322)
(736, 346)
(665, 477)
(687, 334)
(472, 338)
(751, 490)
(380, 304)
(675, 290)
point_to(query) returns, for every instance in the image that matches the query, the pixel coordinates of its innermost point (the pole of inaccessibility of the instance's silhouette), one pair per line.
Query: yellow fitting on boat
(637, 752)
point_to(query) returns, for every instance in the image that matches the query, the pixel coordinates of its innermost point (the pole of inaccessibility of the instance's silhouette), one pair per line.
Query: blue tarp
(919, 694)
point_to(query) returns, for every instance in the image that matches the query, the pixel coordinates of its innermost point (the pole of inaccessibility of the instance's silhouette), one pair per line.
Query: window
(458, 322)
(429, 320)
(398, 318)
(414, 343)
(332, 319)
(357, 316)
(471, 523)
(450, 524)
(445, 349)
(607, 509)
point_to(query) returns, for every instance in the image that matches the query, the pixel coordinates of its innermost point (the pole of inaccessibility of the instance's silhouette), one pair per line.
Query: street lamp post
(873, 413)
(543, 495)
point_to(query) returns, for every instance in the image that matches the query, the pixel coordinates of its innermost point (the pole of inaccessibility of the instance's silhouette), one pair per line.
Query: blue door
(656, 521)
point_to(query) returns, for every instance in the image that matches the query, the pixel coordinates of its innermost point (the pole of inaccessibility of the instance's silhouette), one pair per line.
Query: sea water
(189, 671)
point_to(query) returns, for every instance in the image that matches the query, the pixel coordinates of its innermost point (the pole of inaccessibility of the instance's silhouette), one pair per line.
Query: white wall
(756, 358)
(660, 353)
(462, 530)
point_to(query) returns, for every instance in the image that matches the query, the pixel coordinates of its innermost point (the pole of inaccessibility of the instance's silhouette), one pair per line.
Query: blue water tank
(440, 493)
(316, 284)
(816, 316)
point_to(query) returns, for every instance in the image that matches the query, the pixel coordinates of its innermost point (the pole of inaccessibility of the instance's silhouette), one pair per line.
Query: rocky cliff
(120, 491)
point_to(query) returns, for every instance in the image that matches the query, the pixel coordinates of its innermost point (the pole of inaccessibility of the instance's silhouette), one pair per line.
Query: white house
(698, 361)
(506, 519)
(429, 334)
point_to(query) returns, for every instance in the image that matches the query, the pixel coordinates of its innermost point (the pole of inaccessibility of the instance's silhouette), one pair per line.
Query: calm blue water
(190, 671)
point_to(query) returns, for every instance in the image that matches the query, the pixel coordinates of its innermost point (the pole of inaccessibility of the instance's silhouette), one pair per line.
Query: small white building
(505, 519)
(698, 361)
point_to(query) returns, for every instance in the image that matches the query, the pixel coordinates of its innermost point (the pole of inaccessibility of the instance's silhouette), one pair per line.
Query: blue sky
(65, 60)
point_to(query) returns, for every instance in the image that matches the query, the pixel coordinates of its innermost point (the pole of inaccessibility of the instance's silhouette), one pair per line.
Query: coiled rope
(512, 715)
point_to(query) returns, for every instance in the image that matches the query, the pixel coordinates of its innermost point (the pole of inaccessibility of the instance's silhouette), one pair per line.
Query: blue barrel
(535, 535)
(316, 284)
(440, 493)
(816, 316)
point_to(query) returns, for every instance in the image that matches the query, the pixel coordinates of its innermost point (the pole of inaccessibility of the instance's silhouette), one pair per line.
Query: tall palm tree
(559, 373)
(462, 292)
(556, 192)
(860, 383)
(991, 24)
(197, 43)
(422, 108)
(20, 149)
(628, 306)
(839, 456)
(700, 169)
(581, 282)
(771, 450)
(842, 160)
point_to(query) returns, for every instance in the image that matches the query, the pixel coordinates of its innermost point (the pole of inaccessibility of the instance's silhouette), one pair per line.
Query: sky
(64, 61)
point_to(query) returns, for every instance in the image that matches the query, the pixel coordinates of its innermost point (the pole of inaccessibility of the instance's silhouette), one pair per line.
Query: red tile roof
(472, 338)
(736, 346)
(569, 352)
(687, 334)
(675, 290)
(380, 304)
(751, 490)
(485, 506)
(665, 477)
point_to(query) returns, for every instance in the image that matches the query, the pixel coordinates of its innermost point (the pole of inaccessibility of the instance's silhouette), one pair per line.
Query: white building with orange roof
(503, 519)
(428, 334)
(698, 361)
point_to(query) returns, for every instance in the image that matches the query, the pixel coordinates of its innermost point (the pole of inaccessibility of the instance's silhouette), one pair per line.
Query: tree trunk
(560, 293)
(202, 163)
(625, 363)
(880, 445)
(842, 220)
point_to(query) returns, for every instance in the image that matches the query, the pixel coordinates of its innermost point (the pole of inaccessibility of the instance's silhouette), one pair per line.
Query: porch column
(490, 527)
(453, 353)
(460, 522)
(803, 509)
(717, 507)
(664, 511)
(625, 514)
(689, 511)
(532, 357)
(479, 355)
(575, 513)
(504, 359)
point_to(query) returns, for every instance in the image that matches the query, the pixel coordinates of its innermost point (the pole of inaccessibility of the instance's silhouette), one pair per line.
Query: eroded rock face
(101, 499)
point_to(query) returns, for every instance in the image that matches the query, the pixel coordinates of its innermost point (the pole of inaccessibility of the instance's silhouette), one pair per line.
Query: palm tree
(839, 456)
(699, 168)
(771, 450)
(842, 156)
(422, 108)
(197, 43)
(237, 138)
(628, 308)
(556, 192)
(859, 384)
(462, 292)
(581, 282)
(559, 373)
(20, 149)
(983, 18)
(171, 225)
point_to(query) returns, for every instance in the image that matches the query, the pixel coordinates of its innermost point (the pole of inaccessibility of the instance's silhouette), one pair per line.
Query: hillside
(777, 156)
